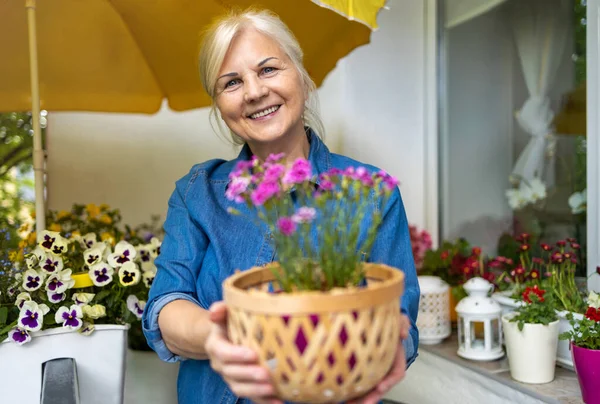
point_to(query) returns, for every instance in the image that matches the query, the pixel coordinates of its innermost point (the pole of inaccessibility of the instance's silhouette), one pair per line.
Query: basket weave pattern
(316, 355)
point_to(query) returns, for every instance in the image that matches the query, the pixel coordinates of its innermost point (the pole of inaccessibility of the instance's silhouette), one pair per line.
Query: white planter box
(100, 360)
(563, 351)
(507, 303)
(531, 352)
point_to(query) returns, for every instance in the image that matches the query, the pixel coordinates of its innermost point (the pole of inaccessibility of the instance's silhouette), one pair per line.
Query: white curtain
(541, 29)
(459, 11)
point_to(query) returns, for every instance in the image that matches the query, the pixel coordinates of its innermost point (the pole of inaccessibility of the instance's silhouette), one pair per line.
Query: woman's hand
(237, 364)
(396, 373)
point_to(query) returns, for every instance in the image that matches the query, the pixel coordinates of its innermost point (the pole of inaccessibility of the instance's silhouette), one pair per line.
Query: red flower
(476, 251)
(444, 255)
(524, 247)
(561, 243)
(537, 260)
(534, 274)
(567, 255)
(488, 276)
(557, 257)
(519, 270)
(536, 291)
(575, 246)
(545, 247)
(593, 314)
(523, 238)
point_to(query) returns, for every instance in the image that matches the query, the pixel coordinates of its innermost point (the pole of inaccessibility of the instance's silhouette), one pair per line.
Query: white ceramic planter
(531, 352)
(563, 351)
(507, 303)
(100, 360)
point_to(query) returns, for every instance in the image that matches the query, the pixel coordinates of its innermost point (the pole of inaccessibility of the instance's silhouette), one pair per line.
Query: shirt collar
(318, 154)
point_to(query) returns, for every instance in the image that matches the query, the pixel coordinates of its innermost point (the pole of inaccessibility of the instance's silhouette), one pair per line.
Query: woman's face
(259, 92)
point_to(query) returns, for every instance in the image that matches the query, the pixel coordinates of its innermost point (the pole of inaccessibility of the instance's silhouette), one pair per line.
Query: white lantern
(433, 320)
(479, 322)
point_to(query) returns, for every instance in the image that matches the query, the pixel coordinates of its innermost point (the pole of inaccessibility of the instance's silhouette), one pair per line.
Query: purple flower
(299, 172)
(124, 252)
(32, 280)
(135, 305)
(304, 214)
(389, 181)
(69, 317)
(326, 185)
(101, 274)
(286, 226)
(264, 192)
(275, 158)
(51, 263)
(236, 188)
(55, 297)
(19, 335)
(274, 172)
(31, 315)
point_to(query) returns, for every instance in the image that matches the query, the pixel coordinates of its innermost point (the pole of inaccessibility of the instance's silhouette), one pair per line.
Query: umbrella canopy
(128, 55)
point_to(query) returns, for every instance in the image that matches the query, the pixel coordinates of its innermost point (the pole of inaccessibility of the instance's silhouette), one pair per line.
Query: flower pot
(531, 352)
(453, 303)
(99, 357)
(433, 320)
(318, 346)
(507, 303)
(563, 351)
(587, 367)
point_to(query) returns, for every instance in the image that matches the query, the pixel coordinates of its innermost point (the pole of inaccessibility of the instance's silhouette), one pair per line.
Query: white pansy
(83, 298)
(69, 317)
(129, 274)
(94, 255)
(22, 298)
(87, 328)
(32, 280)
(148, 278)
(136, 306)
(144, 253)
(59, 282)
(31, 315)
(94, 312)
(578, 202)
(101, 274)
(124, 252)
(55, 297)
(89, 241)
(148, 266)
(51, 263)
(155, 244)
(53, 242)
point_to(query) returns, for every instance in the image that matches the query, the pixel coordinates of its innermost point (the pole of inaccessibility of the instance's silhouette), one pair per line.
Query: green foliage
(540, 311)
(585, 333)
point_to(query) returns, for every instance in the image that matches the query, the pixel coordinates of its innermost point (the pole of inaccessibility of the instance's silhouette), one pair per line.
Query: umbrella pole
(38, 153)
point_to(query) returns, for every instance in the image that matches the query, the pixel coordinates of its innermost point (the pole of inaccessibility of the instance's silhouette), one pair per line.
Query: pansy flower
(69, 317)
(94, 312)
(148, 277)
(87, 328)
(19, 335)
(135, 305)
(55, 297)
(31, 316)
(22, 298)
(60, 282)
(143, 253)
(148, 266)
(129, 274)
(94, 255)
(101, 274)
(82, 298)
(51, 263)
(124, 252)
(155, 244)
(52, 242)
(88, 241)
(32, 280)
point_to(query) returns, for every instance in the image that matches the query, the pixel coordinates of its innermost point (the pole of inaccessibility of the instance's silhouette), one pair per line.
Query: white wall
(373, 104)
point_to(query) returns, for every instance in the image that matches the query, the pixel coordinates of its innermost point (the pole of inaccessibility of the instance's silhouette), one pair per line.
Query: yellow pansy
(63, 214)
(92, 210)
(105, 219)
(75, 234)
(55, 227)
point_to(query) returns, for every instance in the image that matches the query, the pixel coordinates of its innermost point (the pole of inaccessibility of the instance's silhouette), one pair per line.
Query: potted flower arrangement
(65, 284)
(321, 318)
(421, 242)
(531, 337)
(584, 338)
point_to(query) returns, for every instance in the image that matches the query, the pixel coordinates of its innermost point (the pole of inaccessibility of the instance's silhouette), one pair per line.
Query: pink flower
(300, 172)
(264, 192)
(275, 158)
(389, 181)
(236, 188)
(304, 215)
(286, 226)
(274, 172)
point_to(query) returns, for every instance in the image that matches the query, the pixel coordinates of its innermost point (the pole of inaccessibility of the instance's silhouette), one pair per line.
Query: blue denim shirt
(204, 244)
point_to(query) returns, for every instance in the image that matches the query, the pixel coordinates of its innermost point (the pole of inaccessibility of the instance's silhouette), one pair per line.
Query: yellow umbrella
(128, 55)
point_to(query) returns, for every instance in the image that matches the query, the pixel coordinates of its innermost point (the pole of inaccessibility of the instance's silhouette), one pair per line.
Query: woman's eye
(231, 83)
(268, 70)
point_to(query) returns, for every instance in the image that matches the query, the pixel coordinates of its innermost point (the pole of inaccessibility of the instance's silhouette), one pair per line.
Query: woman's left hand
(396, 373)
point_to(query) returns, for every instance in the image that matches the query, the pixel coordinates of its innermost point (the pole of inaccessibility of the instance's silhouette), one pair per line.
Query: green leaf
(3, 315)
(101, 295)
(49, 320)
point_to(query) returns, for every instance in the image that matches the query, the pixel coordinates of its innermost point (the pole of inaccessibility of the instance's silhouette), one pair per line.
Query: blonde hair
(215, 45)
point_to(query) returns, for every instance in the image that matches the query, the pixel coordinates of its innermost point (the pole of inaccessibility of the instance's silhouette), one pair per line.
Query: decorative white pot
(100, 360)
(507, 303)
(531, 352)
(563, 350)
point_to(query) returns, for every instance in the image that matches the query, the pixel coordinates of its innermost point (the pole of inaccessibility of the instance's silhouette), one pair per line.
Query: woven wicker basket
(319, 346)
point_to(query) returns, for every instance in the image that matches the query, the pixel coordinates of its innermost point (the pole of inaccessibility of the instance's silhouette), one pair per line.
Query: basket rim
(312, 302)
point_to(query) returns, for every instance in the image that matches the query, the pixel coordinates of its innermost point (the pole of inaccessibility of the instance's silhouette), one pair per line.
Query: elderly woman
(251, 65)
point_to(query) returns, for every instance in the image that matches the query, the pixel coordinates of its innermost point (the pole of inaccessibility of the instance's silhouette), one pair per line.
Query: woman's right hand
(238, 365)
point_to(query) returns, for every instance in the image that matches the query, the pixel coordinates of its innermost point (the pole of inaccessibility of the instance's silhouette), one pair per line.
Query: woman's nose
(254, 90)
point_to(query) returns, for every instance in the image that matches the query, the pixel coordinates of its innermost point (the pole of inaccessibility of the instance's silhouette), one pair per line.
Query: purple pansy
(51, 263)
(69, 317)
(129, 274)
(32, 280)
(101, 274)
(22, 298)
(136, 306)
(31, 316)
(124, 252)
(55, 297)
(19, 335)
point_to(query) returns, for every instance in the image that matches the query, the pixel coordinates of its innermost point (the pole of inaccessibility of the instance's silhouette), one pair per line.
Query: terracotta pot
(319, 346)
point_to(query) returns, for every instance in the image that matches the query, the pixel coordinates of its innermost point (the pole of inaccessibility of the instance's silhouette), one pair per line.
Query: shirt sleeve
(178, 266)
(392, 247)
